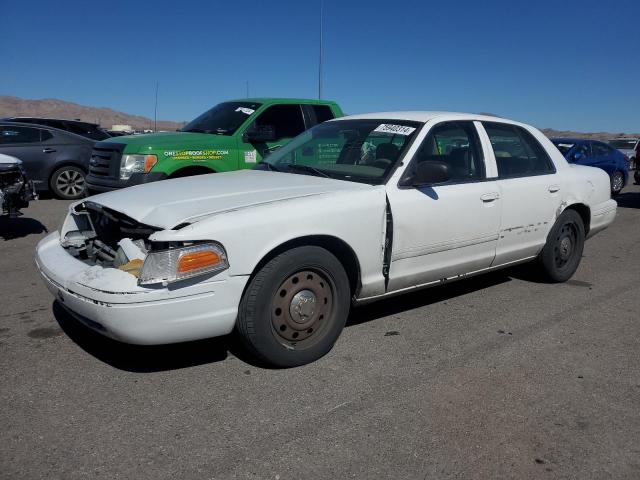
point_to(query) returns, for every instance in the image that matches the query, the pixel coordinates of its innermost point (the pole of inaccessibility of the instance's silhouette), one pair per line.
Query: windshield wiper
(270, 166)
(307, 169)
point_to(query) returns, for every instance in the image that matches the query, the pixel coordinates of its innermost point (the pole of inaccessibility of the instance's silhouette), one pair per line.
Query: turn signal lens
(167, 266)
(149, 162)
(198, 260)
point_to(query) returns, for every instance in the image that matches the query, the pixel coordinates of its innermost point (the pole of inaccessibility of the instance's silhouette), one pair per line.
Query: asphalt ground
(500, 376)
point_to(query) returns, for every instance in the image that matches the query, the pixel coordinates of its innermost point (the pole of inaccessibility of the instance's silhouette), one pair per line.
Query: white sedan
(353, 210)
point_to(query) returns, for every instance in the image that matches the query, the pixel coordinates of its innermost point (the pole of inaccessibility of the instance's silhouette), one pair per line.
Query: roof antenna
(320, 54)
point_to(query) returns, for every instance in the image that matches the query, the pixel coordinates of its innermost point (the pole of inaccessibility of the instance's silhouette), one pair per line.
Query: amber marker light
(175, 264)
(149, 162)
(197, 261)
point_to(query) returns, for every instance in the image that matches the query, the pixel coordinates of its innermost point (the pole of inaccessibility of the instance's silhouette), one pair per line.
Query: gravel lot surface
(501, 376)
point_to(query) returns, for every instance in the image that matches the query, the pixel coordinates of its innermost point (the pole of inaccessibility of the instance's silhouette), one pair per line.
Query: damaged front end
(100, 236)
(16, 190)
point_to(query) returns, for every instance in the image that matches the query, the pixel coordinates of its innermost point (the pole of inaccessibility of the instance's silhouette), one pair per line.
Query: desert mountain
(106, 117)
(54, 108)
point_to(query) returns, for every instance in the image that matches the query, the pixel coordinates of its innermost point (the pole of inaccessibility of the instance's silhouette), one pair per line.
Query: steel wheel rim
(302, 307)
(617, 182)
(70, 182)
(565, 246)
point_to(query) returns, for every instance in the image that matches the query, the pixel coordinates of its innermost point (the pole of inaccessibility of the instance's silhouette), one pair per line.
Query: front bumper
(110, 301)
(97, 183)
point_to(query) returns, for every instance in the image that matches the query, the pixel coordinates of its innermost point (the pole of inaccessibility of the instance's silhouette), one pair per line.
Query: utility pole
(155, 112)
(320, 54)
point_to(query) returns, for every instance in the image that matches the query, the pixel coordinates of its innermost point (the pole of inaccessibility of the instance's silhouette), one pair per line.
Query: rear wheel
(68, 182)
(617, 182)
(295, 307)
(561, 254)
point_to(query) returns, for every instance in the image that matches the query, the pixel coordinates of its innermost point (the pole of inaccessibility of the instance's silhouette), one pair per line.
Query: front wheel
(617, 182)
(295, 307)
(561, 254)
(68, 182)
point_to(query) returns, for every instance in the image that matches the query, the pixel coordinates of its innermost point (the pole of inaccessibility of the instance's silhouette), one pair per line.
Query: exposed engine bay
(16, 190)
(107, 238)
(102, 237)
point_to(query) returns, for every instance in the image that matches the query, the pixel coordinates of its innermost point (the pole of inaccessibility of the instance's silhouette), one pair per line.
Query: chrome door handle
(554, 188)
(490, 197)
(48, 150)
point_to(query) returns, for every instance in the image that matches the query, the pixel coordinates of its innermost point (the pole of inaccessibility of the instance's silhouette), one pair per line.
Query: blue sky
(561, 64)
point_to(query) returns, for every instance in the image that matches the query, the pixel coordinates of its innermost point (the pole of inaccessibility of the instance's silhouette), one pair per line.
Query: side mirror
(261, 134)
(576, 157)
(430, 173)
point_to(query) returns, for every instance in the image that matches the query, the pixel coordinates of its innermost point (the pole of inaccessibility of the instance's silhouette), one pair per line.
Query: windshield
(223, 119)
(355, 150)
(564, 147)
(623, 144)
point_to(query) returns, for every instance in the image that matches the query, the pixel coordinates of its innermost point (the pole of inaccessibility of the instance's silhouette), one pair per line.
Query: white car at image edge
(354, 210)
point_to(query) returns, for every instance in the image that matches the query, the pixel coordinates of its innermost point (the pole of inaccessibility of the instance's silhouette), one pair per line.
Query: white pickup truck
(353, 210)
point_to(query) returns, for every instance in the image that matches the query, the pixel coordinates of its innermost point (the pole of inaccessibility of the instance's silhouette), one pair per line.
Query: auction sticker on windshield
(395, 129)
(245, 110)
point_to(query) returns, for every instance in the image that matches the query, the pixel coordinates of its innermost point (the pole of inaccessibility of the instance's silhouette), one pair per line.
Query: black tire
(280, 322)
(561, 254)
(68, 183)
(617, 182)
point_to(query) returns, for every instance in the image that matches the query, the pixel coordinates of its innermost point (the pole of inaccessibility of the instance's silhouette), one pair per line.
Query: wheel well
(342, 251)
(190, 171)
(584, 213)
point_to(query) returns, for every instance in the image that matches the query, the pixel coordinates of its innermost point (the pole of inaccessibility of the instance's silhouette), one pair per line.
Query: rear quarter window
(323, 113)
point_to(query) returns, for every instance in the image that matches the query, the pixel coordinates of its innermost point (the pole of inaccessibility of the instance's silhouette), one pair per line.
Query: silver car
(628, 146)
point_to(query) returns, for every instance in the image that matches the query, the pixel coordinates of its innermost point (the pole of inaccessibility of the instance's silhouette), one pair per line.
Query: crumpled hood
(168, 203)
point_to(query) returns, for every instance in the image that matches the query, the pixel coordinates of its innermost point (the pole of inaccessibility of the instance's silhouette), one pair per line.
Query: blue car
(596, 154)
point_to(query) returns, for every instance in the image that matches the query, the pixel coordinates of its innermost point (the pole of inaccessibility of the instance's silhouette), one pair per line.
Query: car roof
(281, 100)
(10, 123)
(570, 140)
(51, 118)
(425, 116)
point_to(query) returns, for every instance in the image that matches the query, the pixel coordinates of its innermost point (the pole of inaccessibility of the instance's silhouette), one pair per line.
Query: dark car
(593, 153)
(85, 129)
(54, 159)
(636, 174)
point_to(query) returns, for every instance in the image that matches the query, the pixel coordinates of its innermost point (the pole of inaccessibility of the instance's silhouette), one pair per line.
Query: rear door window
(286, 120)
(12, 135)
(322, 112)
(600, 149)
(45, 135)
(517, 152)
